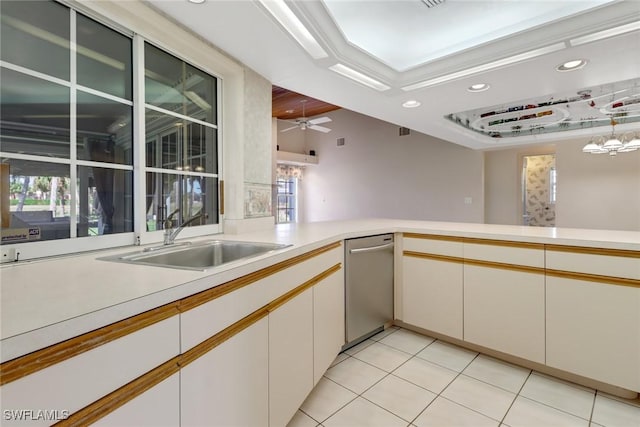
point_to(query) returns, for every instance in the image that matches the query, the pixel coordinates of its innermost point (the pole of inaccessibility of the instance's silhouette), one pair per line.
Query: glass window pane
(39, 201)
(34, 115)
(104, 58)
(174, 85)
(180, 144)
(105, 201)
(104, 130)
(187, 196)
(35, 35)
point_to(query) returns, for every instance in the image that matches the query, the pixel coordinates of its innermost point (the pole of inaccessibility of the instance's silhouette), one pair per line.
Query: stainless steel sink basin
(197, 256)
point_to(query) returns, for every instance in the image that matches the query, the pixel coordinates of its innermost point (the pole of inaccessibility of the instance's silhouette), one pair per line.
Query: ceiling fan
(304, 123)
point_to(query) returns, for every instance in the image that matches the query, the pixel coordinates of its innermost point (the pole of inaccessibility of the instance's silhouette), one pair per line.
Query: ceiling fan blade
(320, 128)
(319, 120)
(292, 127)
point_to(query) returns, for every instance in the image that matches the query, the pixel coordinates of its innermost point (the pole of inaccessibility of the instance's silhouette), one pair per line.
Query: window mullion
(139, 142)
(73, 128)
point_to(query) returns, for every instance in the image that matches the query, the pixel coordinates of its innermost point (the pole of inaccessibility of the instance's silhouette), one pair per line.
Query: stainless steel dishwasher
(368, 286)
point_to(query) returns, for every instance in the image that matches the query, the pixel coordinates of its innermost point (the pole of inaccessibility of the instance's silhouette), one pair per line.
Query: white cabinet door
(432, 295)
(593, 330)
(504, 310)
(158, 406)
(328, 322)
(228, 386)
(290, 357)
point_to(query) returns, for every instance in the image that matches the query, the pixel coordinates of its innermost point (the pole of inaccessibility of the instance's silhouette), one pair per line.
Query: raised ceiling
(287, 105)
(518, 61)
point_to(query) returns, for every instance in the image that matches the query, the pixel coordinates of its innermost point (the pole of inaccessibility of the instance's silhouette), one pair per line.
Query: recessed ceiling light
(197, 1)
(574, 64)
(478, 87)
(412, 103)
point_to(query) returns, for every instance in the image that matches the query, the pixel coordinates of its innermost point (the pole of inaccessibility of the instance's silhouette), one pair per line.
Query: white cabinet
(432, 285)
(504, 310)
(593, 317)
(157, 406)
(229, 385)
(78, 381)
(328, 322)
(504, 297)
(290, 357)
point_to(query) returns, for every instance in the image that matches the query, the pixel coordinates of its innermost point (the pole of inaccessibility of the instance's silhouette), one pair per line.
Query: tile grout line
(441, 391)
(593, 407)
(381, 379)
(516, 397)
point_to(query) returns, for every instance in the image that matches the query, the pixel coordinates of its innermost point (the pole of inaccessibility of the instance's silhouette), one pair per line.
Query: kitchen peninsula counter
(47, 301)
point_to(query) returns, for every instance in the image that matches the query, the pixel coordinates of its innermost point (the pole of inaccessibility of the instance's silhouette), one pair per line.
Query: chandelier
(612, 145)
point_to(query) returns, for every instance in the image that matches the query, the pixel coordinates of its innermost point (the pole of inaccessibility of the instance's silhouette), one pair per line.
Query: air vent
(340, 142)
(404, 131)
(432, 3)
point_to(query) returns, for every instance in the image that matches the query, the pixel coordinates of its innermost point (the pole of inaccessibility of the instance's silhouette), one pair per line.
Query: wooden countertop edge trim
(476, 262)
(608, 280)
(22, 366)
(203, 297)
(626, 253)
(436, 257)
(505, 266)
(28, 364)
(476, 240)
(433, 237)
(103, 406)
(588, 277)
(109, 403)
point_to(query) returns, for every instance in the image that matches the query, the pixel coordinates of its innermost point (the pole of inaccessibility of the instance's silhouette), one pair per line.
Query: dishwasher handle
(371, 249)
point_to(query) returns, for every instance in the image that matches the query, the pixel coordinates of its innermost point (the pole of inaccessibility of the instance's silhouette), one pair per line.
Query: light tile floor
(400, 378)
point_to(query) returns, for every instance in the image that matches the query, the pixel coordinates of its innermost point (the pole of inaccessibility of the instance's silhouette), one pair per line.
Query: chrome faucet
(170, 233)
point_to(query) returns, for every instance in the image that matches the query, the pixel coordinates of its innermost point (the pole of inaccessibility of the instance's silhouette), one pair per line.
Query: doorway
(539, 183)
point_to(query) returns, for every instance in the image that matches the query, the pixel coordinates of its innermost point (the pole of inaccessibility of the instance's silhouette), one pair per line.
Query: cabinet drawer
(86, 377)
(595, 263)
(207, 319)
(439, 246)
(527, 254)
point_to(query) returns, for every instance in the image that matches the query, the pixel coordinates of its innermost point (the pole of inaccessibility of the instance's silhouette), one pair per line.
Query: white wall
(597, 191)
(380, 174)
(593, 191)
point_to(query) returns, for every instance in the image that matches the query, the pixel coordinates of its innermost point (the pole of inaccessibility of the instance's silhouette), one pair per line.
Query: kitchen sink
(198, 256)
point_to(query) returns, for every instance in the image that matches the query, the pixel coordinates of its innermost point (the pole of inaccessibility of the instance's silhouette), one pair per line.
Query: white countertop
(46, 301)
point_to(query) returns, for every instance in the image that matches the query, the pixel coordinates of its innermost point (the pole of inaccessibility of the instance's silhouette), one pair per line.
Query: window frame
(139, 235)
(291, 198)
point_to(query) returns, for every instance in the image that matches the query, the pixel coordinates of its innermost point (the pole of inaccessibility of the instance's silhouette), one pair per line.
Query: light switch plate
(468, 200)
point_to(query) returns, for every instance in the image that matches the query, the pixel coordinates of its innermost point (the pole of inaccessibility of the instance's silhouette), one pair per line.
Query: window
(287, 199)
(181, 141)
(553, 180)
(67, 151)
(66, 133)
